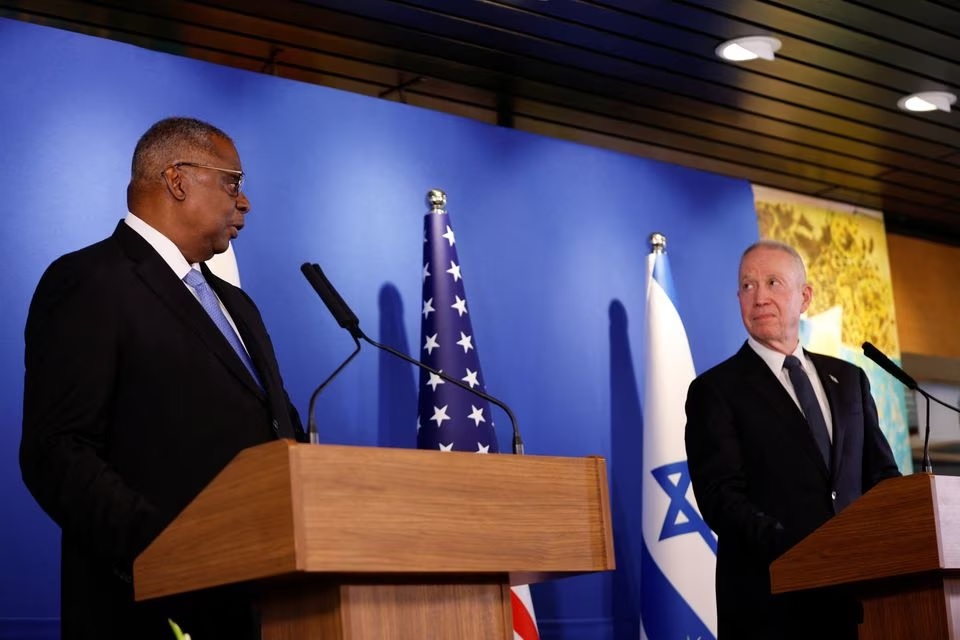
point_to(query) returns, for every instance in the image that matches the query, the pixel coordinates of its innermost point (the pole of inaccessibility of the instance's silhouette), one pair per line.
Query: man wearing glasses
(145, 375)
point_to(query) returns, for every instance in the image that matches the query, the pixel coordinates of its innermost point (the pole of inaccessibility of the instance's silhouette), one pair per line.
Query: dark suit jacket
(762, 485)
(133, 401)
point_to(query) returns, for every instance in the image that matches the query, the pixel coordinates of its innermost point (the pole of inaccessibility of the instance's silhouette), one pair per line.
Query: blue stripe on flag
(661, 273)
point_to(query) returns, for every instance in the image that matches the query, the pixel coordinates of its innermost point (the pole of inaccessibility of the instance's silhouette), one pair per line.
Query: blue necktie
(809, 405)
(208, 299)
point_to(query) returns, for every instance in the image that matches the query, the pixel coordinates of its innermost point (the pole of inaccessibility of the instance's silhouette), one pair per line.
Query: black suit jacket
(133, 401)
(762, 485)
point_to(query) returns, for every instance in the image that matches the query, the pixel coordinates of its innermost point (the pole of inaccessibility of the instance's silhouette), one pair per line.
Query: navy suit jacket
(762, 485)
(133, 402)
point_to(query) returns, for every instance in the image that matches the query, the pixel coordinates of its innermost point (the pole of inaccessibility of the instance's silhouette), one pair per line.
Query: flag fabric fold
(679, 551)
(450, 418)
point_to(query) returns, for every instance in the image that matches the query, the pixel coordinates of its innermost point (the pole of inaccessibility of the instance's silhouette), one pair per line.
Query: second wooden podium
(897, 549)
(350, 543)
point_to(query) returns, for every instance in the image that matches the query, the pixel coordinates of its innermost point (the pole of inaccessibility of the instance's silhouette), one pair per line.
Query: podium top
(902, 526)
(283, 509)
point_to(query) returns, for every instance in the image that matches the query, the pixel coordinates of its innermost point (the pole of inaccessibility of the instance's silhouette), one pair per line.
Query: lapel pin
(832, 377)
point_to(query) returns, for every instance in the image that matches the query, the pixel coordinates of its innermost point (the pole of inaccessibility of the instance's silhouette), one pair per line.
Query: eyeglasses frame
(234, 172)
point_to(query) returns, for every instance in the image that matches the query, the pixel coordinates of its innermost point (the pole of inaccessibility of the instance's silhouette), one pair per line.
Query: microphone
(345, 318)
(348, 320)
(337, 307)
(888, 365)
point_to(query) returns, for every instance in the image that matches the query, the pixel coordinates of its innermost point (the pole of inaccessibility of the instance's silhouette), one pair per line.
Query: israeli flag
(679, 551)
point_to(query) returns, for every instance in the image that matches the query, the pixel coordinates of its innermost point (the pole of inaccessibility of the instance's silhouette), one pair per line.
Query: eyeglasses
(233, 188)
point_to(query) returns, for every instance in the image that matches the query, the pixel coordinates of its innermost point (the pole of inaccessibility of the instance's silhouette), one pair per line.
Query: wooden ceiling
(637, 76)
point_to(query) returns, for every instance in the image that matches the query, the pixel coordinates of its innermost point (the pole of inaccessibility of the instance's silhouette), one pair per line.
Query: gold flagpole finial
(436, 200)
(658, 242)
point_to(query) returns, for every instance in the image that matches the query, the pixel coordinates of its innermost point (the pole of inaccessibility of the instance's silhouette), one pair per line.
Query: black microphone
(877, 356)
(887, 364)
(345, 318)
(348, 320)
(338, 308)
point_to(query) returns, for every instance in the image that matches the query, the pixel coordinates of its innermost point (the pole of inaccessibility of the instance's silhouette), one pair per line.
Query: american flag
(451, 419)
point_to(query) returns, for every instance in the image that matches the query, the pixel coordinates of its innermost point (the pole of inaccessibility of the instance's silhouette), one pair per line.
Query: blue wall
(552, 238)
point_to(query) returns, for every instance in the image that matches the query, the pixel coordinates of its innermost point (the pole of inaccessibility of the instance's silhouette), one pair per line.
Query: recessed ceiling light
(927, 101)
(748, 48)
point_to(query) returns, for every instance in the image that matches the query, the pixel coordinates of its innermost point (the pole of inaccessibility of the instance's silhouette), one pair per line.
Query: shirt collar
(774, 359)
(161, 244)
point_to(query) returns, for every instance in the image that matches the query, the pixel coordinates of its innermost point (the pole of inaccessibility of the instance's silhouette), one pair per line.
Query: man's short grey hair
(173, 140)
(776, 245)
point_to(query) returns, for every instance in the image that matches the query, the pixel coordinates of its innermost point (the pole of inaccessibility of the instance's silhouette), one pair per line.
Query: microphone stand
(348, 320)
(517, 441)
(311, 422)
(890, 367)
(927, 465)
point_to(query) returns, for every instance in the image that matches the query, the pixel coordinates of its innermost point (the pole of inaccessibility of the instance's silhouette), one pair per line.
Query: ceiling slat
(634, 76)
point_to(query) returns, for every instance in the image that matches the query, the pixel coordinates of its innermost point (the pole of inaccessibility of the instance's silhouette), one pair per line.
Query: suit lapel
(771, 391)
(258, 346)
(251, 339)
(156, 274)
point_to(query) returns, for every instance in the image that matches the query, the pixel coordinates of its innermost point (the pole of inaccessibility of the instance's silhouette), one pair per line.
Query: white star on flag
(460, 305)
(470, 378)
(431, 344)
(449, 236)
(435, 380)
(477, 415)
(454, 270)
(465, 341)
(428, 308)
(440, 414)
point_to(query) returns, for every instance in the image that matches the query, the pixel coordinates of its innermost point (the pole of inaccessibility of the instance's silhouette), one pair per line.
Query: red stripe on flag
(523, 624)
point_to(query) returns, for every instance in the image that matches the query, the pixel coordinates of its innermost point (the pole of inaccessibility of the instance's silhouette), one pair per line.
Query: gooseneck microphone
(341, 313)
(888, 365)
(335, 304)
(348, 320)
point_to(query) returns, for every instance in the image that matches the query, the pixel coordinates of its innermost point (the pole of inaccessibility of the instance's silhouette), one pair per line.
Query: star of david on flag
(450, 418)
(677, 597)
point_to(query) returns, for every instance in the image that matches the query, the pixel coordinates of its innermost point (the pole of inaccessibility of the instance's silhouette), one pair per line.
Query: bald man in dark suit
(135, 397)
(779, 440)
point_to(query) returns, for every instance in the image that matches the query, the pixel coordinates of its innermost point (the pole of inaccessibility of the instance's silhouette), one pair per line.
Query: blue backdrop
(552, 238)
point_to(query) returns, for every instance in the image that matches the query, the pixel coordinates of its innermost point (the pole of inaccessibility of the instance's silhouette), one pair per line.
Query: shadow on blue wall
(397, 390)
(626, 454)
(625, 471)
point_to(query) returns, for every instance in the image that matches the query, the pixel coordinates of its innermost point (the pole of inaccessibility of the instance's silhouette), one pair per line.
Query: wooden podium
(389, 544)
(897, 548)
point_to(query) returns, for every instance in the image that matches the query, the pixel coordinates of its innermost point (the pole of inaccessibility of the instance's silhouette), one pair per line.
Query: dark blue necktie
(809, 405)
(208, 299)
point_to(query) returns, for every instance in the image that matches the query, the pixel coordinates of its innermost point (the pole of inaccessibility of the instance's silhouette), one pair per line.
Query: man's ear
(807, 295)
(173, 178)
